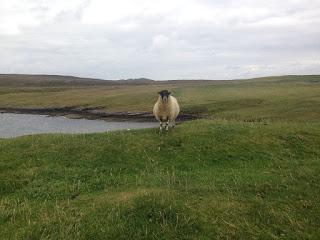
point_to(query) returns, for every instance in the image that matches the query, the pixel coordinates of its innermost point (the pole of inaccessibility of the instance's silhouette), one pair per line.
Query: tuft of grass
(149, 216)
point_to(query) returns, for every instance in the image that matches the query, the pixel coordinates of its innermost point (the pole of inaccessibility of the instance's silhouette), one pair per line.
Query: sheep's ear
(159, 92)
(169, 93)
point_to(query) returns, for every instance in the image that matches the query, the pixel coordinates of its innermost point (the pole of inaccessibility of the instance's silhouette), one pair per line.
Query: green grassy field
(205, 180)
(250, 171)
(292, 98)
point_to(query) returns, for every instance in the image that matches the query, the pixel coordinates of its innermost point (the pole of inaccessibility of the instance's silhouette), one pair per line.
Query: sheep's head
(164, 94)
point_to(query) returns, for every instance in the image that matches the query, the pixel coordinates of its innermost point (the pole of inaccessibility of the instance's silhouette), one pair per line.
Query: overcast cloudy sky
(160, 39)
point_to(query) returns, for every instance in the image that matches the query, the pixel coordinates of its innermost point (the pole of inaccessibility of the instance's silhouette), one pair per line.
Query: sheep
(166, 109)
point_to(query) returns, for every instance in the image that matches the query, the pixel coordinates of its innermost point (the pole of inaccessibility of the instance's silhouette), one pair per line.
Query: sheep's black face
(164, 95)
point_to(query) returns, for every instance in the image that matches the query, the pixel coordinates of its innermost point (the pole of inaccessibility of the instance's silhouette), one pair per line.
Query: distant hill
(286, 78)
(136, 81)
(58, 80)
(25, 80)
(48, 80)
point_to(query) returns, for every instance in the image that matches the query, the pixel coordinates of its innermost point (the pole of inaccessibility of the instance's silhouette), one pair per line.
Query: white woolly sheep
(166, 109)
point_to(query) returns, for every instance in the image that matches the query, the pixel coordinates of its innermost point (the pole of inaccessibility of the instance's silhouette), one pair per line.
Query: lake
(14, 125)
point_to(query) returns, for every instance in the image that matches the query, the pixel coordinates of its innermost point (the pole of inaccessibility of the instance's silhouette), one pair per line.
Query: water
(14, 125)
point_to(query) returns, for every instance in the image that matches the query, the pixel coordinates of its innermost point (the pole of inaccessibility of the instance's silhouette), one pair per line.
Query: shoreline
(93, 114)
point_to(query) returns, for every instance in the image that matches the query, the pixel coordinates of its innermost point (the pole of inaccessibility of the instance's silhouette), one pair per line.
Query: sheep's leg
(160, 126)
(167, 125)
(173, 123)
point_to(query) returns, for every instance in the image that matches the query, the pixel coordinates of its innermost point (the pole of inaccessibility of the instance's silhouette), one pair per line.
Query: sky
(160, 39)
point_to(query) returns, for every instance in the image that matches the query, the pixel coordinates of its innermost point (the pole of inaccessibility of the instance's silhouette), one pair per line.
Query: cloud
(160, 39)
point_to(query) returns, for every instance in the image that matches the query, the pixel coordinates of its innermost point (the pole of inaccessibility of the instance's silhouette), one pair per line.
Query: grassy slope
(289, 98)
(206, 179)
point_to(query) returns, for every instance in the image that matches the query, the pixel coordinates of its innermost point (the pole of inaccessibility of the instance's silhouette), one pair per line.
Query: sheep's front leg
(167, 125)
(160, 126)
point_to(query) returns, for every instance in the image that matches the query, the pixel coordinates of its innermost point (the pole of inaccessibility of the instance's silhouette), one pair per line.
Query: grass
(249, 171)
(290, 98)
(205, 180)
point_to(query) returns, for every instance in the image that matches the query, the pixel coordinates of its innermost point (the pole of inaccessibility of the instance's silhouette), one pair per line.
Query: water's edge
(93, 113)
(15, 125)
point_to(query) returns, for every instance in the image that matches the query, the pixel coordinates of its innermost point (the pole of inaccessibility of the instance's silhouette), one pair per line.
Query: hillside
(204, 180)
(59, 80)
(47, 80)
(293, 98)
(248, 169)
(27, 80)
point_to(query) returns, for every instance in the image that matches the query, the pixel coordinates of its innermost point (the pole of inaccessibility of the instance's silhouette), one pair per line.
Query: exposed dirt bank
(92, 113)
